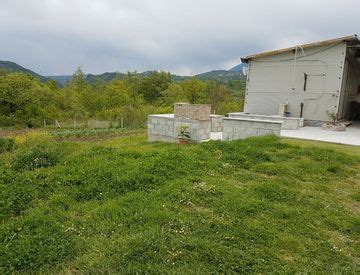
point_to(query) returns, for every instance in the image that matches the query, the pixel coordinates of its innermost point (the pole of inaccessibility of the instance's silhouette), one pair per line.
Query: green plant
(184, 132)
(333, 117)
(6, 144)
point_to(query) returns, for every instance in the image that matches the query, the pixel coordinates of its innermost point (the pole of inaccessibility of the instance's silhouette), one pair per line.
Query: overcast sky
(182, 36)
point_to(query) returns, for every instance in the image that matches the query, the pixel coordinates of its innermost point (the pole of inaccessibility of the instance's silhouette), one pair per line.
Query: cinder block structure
(196, 117)
(239, 128)
(200, 124)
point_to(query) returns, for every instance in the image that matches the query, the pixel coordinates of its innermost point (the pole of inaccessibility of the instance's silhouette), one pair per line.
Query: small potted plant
(184, 135)
(333, 123)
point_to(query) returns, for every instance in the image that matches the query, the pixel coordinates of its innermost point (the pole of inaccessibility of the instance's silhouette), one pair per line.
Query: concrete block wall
(216, 123)
(240, 128)
(161, 128)
(199, 129)
(192, 111)
(166, 128)
(288, 123)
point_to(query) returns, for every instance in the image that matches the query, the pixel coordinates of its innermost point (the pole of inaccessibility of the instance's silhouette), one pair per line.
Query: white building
(311, 80)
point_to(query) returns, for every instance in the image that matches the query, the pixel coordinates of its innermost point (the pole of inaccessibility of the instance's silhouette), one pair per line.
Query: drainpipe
(301, 109)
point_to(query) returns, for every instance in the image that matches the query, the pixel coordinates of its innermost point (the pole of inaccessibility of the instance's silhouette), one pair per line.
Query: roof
(350, 38)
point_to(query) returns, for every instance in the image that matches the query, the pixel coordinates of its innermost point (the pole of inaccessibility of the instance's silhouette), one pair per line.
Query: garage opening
(349, 108)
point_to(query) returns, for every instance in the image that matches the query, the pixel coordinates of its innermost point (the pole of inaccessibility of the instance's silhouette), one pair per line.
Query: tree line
(25, 101)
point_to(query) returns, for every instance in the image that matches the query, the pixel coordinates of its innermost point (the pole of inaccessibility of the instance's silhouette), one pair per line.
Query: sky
(186, 37)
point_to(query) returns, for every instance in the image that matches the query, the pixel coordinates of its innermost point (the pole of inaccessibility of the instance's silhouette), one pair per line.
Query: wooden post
(122, 122)
(44, 123)
(57, 124)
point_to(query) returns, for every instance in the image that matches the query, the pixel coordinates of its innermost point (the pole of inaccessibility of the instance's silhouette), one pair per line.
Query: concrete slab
(351, 136)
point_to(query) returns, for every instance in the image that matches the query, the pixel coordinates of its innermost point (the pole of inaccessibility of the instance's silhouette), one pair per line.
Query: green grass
(123, 205)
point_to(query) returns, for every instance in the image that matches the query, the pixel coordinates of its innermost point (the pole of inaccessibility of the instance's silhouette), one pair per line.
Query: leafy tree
(174, 93)
(18, 97)
(78, 80)
(153, 85)
(25, 100)
(216, 93)
(194, 90)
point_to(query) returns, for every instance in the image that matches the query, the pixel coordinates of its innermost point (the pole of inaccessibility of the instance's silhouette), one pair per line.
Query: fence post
(122, 122)
(44, 123)
(74, 123)
(57, 124)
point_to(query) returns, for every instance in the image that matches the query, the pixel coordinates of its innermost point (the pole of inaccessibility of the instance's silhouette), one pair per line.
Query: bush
(6, 144)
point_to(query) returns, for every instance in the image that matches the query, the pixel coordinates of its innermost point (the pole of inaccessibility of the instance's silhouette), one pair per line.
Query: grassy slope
(125, 205)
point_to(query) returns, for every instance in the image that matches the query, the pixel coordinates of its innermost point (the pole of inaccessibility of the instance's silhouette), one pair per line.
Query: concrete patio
(351, 136)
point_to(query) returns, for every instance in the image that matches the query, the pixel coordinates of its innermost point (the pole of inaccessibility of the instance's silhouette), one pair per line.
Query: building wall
(272, 80)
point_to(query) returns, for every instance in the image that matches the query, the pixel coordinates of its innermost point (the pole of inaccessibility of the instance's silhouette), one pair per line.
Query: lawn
(123, 205)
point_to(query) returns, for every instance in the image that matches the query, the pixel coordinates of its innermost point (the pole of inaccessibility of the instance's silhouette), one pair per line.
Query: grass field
(123, 205)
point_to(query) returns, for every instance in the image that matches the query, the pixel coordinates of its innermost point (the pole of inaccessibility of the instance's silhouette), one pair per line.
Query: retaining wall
(288, 123)
(240, 128)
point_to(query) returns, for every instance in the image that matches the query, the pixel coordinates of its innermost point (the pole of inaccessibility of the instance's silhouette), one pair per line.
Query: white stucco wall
(272, 81)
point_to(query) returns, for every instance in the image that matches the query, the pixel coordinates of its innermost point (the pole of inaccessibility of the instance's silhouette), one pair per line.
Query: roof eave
(308, 45)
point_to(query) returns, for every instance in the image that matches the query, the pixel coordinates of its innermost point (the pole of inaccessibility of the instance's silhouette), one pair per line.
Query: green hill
(13, 67)
(221, 75)
(217, 75)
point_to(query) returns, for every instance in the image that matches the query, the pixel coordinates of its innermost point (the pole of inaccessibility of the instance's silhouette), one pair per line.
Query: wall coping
(267, 116)
(253, 120)
(162, 115)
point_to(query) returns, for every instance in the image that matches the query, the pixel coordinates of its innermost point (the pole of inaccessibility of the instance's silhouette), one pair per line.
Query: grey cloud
(183, 36)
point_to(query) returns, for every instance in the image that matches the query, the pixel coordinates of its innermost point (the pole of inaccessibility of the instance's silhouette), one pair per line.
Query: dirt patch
(101, 137)
(14, 132)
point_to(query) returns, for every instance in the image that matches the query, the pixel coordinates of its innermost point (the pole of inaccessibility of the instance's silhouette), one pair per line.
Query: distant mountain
(235, 73)
(105, 77)
(13, 67)
(60, 79)
(238, 68)
(221, 75)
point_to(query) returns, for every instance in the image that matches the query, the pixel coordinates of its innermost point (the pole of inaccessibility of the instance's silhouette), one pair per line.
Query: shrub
(6, 144)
